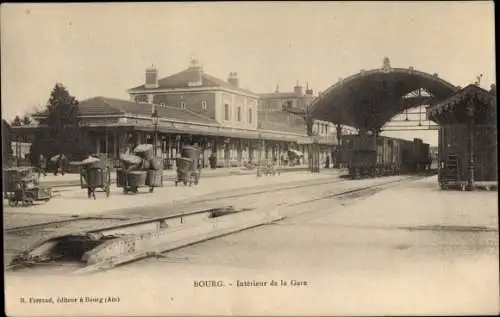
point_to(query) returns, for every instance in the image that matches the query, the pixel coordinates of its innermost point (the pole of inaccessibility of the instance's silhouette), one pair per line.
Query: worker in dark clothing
(42, 165)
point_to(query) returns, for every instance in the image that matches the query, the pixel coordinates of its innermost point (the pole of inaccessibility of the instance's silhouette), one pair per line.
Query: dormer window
(183, 105)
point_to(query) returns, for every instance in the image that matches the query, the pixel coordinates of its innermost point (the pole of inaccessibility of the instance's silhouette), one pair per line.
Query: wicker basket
(95, 177)
(154, 178)
(136, 178)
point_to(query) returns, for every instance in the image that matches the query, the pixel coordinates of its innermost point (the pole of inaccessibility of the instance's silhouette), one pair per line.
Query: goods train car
(370, 155)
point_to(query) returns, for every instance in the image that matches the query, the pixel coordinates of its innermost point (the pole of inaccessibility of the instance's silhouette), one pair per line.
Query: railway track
(125, 213)
(108, 227)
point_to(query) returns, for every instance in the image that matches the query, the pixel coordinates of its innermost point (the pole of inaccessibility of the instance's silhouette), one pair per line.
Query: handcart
(139, 170)
(93, 178)
(93, 175)
(22, 186)
(186, 173)
(188, 167)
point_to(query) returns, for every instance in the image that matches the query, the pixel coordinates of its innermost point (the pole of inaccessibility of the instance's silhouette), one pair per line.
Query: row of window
(144, 98)
(238, 113)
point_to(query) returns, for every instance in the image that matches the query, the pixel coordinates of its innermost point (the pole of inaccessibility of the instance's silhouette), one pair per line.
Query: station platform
(68, 180)
(73, 202)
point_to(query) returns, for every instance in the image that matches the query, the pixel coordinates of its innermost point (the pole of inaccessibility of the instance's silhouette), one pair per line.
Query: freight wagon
(370, 155)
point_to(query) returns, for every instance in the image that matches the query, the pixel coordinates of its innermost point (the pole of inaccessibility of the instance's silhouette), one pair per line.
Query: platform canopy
(371, 98)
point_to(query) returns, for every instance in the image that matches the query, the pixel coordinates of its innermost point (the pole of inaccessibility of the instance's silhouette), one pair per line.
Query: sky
(103, 49)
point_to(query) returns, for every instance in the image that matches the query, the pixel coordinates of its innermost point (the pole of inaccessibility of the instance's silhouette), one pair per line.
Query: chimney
(233, 79)
(151, 78)
(195, 73)
(308, 90)
(298, 89)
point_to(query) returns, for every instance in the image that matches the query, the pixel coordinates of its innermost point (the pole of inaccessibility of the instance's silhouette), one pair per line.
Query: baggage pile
(140, 169)
(94, 174)
(188, 169)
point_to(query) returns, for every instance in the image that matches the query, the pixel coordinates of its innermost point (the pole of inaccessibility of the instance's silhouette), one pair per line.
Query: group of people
(60, 163)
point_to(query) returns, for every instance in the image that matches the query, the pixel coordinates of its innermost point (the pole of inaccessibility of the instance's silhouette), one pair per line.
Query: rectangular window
(226, 112)
(249, 115)
(204, 105)
(141, 98)
(238, 114)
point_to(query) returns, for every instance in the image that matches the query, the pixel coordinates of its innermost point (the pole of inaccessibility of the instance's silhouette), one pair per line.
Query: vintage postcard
(249, 158)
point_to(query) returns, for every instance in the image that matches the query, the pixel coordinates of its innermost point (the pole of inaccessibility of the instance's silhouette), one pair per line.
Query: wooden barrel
(136, 178)
(154, 178)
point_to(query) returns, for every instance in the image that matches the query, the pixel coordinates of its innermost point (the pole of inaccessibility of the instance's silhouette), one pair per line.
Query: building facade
(190, 107)
(298, 101)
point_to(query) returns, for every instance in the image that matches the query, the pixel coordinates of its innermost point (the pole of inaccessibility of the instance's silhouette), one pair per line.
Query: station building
(191, 107)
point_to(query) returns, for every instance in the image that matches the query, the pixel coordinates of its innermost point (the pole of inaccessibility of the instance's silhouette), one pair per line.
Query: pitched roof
(281, 95)
(282, 121)
(102, 106)
(457, 98)
(181, 80)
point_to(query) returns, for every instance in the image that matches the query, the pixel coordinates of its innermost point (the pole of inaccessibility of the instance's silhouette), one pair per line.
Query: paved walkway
(74, 202)
(68, 180)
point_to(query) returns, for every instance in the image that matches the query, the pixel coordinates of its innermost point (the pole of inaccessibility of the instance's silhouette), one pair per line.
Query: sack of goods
(129, 160)
(154, 178)
(136, 178)
(92, 162)
(156, 164)
(145, 151)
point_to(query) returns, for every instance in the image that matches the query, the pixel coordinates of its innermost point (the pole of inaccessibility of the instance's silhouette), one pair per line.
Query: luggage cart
(186, 172)
(22, 187)
(92, 178)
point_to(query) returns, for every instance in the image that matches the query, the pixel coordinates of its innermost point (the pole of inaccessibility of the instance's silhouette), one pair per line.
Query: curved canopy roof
(371, 98)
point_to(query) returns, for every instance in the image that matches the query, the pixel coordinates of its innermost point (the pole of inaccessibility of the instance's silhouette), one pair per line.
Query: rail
(249, 192)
